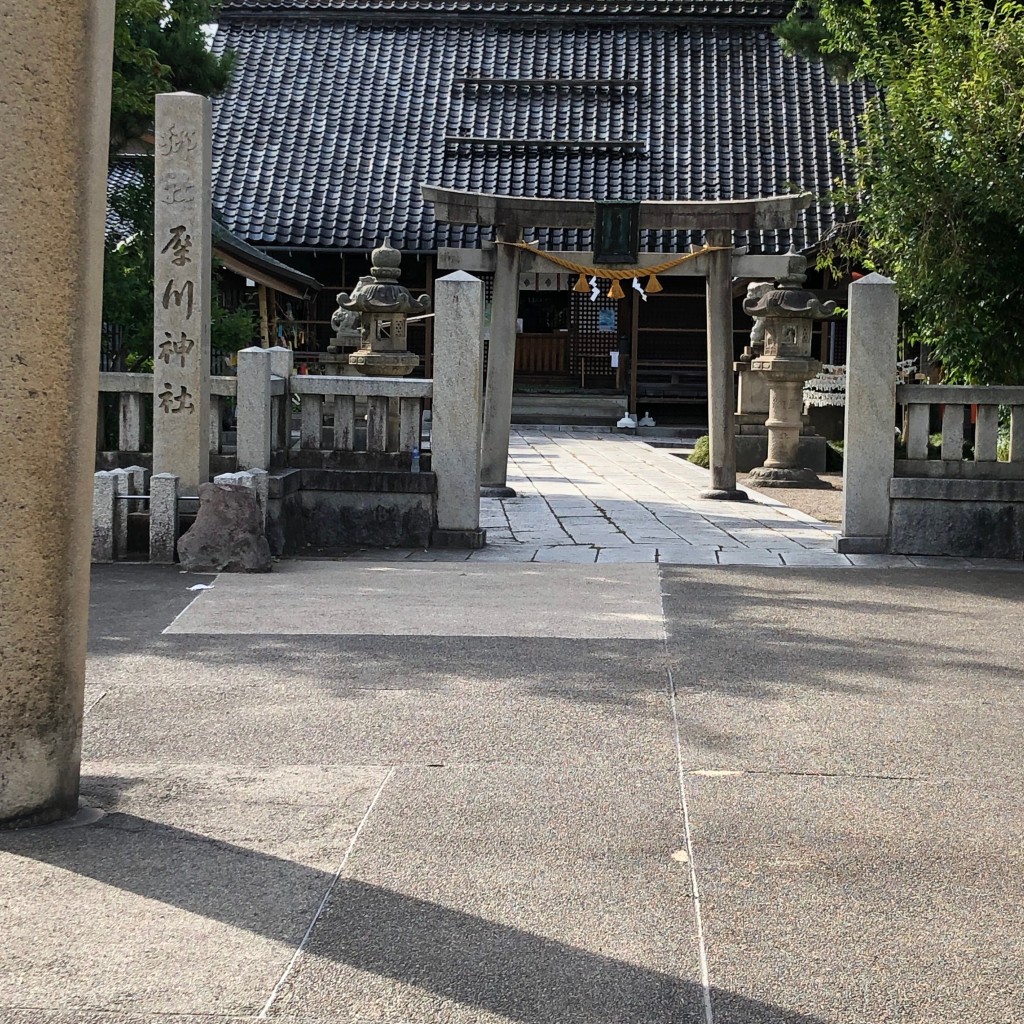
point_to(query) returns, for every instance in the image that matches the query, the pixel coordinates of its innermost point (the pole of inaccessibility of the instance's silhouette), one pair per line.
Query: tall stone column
(181, 279)
(501, 361)
(54, 120)
(455, 435)
(868, 455)
(721, 394)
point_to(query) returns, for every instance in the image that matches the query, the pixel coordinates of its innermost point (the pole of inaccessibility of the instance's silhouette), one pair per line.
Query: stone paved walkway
(589, 496)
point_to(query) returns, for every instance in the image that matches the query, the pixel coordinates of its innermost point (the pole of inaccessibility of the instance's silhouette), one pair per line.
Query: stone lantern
(383, 306)
(788, 312)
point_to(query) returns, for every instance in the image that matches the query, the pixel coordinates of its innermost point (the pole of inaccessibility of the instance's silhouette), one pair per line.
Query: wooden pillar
(634, 351)
(261, 292)
(721, 393)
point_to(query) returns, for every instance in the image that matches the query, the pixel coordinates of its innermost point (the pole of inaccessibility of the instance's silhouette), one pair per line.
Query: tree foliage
(940, 170)
(159, 46)
(842, 32)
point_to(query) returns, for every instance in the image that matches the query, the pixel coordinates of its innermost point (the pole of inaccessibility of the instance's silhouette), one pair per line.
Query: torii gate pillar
(55, 120)
(501, 360)
(719, 219)
(721, 395)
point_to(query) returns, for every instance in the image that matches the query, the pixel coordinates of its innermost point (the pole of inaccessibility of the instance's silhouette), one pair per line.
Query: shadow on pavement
(851, 631)
(454, 955)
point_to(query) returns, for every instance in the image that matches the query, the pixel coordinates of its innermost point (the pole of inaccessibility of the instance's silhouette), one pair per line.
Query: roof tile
(347, 117)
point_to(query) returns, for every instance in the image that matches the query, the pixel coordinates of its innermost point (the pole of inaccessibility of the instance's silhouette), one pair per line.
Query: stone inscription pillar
(181, 279)
(868, 455)
(455, 434)
(721, 396)
(54, 121)
(501, 361)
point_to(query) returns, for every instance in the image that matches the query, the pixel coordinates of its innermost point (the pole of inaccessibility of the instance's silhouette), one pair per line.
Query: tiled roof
(773, 9)
(332, 124)
(120, 175)
(125, 173)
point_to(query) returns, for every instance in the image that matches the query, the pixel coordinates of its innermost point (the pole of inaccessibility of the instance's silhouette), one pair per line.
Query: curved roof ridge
(757, 10)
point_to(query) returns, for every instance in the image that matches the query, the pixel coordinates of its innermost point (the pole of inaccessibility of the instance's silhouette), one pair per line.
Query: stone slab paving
(595, 497)
(307, 597)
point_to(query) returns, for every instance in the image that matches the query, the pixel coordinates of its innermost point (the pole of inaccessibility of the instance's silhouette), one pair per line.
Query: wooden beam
(254, 273)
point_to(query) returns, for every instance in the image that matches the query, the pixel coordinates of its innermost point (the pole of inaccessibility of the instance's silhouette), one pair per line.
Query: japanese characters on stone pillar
(181, 279)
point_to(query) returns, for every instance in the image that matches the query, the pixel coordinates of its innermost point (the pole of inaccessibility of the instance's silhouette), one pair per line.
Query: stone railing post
(457, 406)
(282, 362)
(122, 488)
(868, 449)
(216, 415)
(254, 409)
(129, 433)
(163, 518)
(136, 485)
(104, 498)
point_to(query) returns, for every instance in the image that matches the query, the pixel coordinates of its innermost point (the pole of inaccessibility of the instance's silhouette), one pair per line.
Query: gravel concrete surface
(786, 796)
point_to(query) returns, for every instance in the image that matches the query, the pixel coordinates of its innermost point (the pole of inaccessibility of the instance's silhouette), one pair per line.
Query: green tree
(939, 164)
(159, 46)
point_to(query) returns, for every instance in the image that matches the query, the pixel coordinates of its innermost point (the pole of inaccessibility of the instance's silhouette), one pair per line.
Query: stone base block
(722, 494)
(471, 539)
(497, 492)
(969, 529)
(765, 476)
(862, 545)
(330, 511)
(752, 450)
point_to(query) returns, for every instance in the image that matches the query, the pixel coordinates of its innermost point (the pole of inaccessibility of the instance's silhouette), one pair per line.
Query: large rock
(227, 535)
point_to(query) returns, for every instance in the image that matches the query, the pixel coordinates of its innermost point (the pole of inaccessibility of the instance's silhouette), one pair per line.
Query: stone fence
(328, 424)
(340, 457)
(960, 497)
(960, 494)
(957, 406)
(135, 409)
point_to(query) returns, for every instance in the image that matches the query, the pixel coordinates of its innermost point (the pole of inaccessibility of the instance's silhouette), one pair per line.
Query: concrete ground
(629, 793)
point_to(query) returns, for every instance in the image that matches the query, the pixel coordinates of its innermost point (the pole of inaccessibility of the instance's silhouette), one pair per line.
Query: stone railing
(119, 493)
(330, 414)
(135, 409)
(984, 463)
(333, 481)
(969, 507)
(336, 397)
(967, 501)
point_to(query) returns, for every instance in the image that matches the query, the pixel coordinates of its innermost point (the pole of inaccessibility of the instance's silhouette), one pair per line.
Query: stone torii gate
(718, 220)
